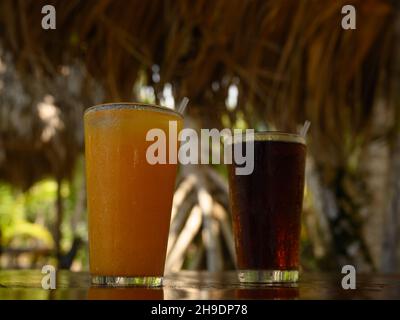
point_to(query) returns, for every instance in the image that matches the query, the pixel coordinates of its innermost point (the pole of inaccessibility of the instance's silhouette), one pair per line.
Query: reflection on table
(26, 284)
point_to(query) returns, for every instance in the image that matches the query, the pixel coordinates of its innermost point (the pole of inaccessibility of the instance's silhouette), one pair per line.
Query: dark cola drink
(266, 207)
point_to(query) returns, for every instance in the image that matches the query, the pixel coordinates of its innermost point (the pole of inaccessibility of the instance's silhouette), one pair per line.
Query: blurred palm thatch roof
(290, 60)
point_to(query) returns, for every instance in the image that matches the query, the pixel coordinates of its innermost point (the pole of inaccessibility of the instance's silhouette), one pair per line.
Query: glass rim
(132, 106)
(272, 136)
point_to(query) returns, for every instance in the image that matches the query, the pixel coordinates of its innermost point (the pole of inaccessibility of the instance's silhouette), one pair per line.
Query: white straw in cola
(306, 126)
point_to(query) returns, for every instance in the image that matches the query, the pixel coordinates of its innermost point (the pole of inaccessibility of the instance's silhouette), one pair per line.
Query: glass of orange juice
(129, 198)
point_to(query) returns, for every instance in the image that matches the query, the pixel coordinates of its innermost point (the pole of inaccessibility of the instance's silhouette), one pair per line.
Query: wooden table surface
(26, 284)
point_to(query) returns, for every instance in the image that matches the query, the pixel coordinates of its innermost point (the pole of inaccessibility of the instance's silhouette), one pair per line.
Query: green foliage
(39, 200)
(15, 209)
(11, 206)
(27, 218)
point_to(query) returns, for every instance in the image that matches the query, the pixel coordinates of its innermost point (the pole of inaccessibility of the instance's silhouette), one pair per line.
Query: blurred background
(263, 64)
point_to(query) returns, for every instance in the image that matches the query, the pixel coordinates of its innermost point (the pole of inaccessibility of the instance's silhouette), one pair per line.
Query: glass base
(116, 281)
(268, 276)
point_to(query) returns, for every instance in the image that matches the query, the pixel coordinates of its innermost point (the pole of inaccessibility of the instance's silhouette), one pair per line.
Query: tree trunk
(391, 240)
(391, 225)
(58, 220)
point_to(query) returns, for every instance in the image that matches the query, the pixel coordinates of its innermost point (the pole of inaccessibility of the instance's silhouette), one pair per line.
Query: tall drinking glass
(266, 207)
(129, 199)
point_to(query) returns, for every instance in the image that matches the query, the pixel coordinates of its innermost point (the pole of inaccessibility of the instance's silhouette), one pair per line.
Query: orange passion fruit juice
(129, 199)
